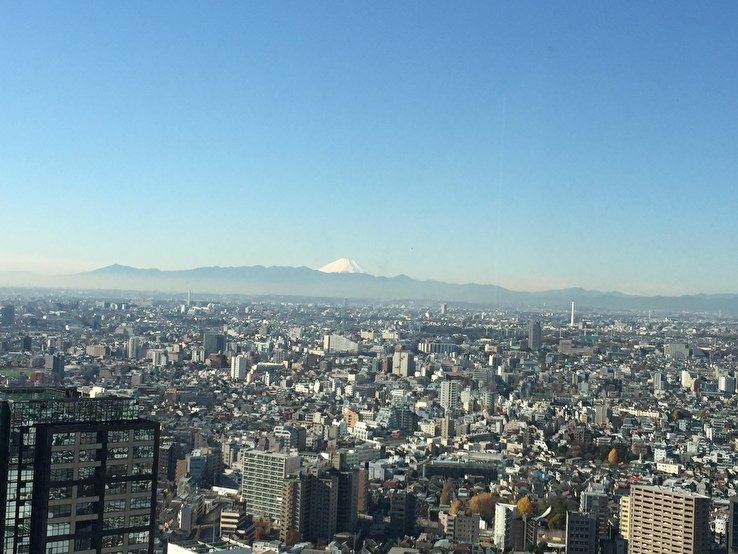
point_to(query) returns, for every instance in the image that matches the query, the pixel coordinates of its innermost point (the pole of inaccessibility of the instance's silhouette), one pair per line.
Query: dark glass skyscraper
(535, 335)
(76, 474)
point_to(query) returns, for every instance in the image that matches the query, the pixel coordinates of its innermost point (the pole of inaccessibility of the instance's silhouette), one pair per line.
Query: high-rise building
(239, 365)
(571, 320)
(465, 528)
(403, 363)
(581, 534)
(535, 335)
(339, 343)
(403, 514)
(264, 475)
(322, 502)
(624, 517)
(726, 384)
(593, 503)
(732, 534)
(667, 521)
(659, 382)
(348, 501)
(602, 414)
(318, 503)
(134, 348)
(7, 315)
(55, 364)
(76, 474)
(450, 391)
(504, 516)
(213, 343)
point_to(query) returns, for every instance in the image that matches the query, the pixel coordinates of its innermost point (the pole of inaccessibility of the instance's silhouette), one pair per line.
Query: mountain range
(344, 280)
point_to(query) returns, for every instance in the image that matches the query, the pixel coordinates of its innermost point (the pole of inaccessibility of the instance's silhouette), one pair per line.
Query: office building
(213, 343)
(403, 364)
(593, 503)
(581, 534)
(666, 521)
(676, 350)
(602, 414)
(348, 501)
(7, 315)
(535, 335)
(464, 528)
(76, 474)
(291, 438)
(403, 514)
(264, 475)
(445, 348)
(726, 384)
(339, 343)
(134, 348)
(55, 364)
(732, 534)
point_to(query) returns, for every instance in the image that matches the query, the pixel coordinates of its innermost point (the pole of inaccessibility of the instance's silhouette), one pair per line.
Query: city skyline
(529, 146)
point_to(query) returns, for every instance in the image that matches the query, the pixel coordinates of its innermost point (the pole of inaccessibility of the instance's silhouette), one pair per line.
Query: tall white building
(504, 516)
(134, 347)
(239, 365)
(450, 391)
(264, 474)
(659, 381)
(338, 343)
(403, 363)
(726, 384)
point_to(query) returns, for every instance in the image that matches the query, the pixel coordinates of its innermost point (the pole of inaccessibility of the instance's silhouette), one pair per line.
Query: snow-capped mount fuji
(343, 265)
(354, 282)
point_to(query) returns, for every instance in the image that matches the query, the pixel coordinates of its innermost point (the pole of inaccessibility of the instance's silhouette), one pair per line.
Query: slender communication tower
(571, 323)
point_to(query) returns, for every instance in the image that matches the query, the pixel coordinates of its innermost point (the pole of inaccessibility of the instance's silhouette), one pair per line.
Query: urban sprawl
(132, 425)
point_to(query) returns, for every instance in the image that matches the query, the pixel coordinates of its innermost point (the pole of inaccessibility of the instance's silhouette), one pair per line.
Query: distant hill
(306, 282)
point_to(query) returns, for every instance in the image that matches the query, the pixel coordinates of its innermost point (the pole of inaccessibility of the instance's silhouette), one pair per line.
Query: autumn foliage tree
(612, 457)
(447, 491)
(483, 503)
(455, 507)
(291, 537)
(525, 507)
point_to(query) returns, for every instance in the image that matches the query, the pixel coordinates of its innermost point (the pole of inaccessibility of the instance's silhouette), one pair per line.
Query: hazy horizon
(6, 281)
(526, 145)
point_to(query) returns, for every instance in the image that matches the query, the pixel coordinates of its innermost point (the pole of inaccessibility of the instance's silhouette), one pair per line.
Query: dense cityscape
(534, 351)
(209, 424)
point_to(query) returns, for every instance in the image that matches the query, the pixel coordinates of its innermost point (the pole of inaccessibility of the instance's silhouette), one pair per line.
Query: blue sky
(528, 144)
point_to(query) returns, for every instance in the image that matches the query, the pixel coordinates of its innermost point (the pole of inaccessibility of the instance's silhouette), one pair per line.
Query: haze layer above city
(524, 145)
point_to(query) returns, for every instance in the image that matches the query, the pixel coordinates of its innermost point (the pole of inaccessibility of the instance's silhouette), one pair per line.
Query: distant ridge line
(306, 282)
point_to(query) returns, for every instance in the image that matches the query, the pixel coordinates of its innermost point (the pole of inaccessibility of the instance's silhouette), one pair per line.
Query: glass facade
(79, 475)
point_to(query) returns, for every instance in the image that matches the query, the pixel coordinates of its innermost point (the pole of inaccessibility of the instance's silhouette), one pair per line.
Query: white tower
(571, 323)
